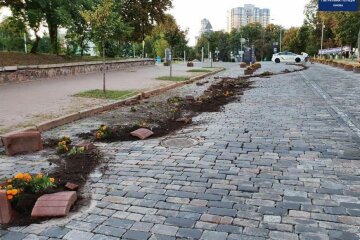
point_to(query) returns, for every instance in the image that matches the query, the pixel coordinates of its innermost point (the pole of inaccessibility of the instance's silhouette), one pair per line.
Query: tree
(142, 15)
(12, 34)
(107, 27)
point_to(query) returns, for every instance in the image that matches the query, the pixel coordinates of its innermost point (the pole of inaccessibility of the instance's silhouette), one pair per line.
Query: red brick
(22, 142)
(86, 145)
(54, 205)
(71, 186)
(6, 212)
(142, 133)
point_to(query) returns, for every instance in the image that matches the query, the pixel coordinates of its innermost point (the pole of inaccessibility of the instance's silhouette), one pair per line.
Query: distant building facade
(241, 16)
(206, 27)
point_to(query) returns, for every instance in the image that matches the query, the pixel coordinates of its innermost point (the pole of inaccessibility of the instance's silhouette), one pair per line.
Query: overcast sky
(189, 13)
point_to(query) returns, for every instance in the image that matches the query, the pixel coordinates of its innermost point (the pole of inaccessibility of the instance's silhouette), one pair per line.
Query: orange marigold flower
(27, 176)
(52, 180)
(9, 197)
(19, 176)
(9, 181)
(14, 191)
(8, 192)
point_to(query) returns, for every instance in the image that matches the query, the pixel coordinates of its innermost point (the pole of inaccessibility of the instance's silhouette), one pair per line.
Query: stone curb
(47, 125)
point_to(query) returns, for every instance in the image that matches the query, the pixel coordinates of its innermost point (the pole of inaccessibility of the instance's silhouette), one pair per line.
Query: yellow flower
(39, 175)
(52, 180)
(19, 176)
(14, 192)
(27, 177)
(9, 187)
(0, 187)
(9, 197)
(104, 128)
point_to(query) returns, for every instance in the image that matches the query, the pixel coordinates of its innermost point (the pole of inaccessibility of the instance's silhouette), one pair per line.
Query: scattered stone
(6, 212)
(71, 186)
(54, 205)
(190, 98)
(186, 120)
(22, 142)
(142, 133)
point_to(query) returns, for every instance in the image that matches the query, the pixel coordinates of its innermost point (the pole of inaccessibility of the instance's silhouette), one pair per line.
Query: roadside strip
(44, 126)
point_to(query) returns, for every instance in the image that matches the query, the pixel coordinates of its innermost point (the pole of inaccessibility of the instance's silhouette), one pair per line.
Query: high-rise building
(241, 16)
(205, 27)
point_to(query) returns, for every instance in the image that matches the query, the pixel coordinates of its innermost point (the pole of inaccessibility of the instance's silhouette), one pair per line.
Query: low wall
(15, 74)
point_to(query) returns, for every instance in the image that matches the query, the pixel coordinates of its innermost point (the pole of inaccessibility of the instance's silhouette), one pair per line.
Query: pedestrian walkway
(282, 163)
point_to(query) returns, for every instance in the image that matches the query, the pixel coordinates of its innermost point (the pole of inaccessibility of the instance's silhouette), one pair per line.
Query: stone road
(282, 163)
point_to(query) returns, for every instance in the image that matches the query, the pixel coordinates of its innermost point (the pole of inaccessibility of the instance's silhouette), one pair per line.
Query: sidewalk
(26, 104)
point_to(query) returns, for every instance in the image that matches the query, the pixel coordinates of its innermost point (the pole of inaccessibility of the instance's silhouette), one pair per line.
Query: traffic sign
(338, 5)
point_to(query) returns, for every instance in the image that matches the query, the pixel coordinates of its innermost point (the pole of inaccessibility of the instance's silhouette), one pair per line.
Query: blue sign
(339, 5)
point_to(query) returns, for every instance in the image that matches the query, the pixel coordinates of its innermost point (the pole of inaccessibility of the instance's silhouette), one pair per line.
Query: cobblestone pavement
(282, 163)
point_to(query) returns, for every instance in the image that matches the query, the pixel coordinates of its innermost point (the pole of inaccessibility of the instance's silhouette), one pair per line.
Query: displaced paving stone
(71, 186)
(23, 142)
(54, 205)
(6, 211)
(142, 133)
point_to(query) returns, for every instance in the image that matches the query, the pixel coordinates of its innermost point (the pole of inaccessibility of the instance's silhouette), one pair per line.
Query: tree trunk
(34, 47)
(104, 68)
(53, 33)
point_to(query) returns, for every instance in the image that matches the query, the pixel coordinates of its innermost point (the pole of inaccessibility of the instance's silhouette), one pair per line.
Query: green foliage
(107, 26)
(173, 78)
(12, 35)
(110, 94)
(76, 151)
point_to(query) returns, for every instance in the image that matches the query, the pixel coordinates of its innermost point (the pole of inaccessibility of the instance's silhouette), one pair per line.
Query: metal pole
(322, 38)
(134, 50)
(208, 50)
(202, 54)
(241, 49)
(184, 56)
(25, 43)
(359, 46)
(104, 68)
(211, 61)
(280, 39)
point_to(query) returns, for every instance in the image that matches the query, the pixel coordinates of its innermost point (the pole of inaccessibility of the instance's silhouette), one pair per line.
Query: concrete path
(282, 163)
(26, 104)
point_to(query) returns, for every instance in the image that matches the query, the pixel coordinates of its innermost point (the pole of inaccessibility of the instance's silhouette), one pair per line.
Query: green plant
(102, 132)
(26, 183)
(76, 151)
(63, 145)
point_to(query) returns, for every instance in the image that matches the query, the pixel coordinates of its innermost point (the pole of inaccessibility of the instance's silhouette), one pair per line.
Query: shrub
(102, 132)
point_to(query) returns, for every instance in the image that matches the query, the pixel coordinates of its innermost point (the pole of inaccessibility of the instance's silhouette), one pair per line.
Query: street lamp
(322, 38)
(217, 54)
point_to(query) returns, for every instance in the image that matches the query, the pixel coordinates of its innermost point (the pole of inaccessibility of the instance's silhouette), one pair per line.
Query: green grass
(174, 78)
(199, 70)
(110, 94)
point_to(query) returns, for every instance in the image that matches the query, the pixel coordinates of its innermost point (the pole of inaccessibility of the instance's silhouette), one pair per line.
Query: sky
(189, 13)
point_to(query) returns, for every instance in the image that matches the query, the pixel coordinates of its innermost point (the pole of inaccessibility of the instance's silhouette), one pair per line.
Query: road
(282, 163)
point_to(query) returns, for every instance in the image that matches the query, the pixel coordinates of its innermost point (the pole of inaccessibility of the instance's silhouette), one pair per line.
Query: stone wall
(16, 74)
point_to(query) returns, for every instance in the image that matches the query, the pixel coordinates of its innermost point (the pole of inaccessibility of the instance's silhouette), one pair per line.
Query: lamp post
(322, 39)
(217, 54)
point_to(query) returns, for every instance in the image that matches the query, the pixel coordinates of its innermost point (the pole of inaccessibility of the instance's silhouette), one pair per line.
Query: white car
(287, 57)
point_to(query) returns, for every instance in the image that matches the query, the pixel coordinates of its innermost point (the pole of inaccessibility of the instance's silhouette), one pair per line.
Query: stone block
(6, 211)
(54, 205)
(142, 133)
(22, 142)
(71, 186)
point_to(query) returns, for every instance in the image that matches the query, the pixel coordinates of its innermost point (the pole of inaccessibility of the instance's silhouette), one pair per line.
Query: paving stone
(222, 211)
(180, 222)
(164, 230)
(283, 235)
(13, 236)
(142, 226)
(142, 133)
(109, 231)
(55, 232)
(212, 235)
(136, 235)
(78, 235)
(189, 233)
(103, 237)
(119, 223)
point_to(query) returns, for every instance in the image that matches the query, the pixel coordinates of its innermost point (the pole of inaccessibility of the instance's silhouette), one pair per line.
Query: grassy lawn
(110, 94)
(200, 70)
(173, 78)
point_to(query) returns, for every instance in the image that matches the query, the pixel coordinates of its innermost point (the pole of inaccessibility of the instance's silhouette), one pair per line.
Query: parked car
(287, 57)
